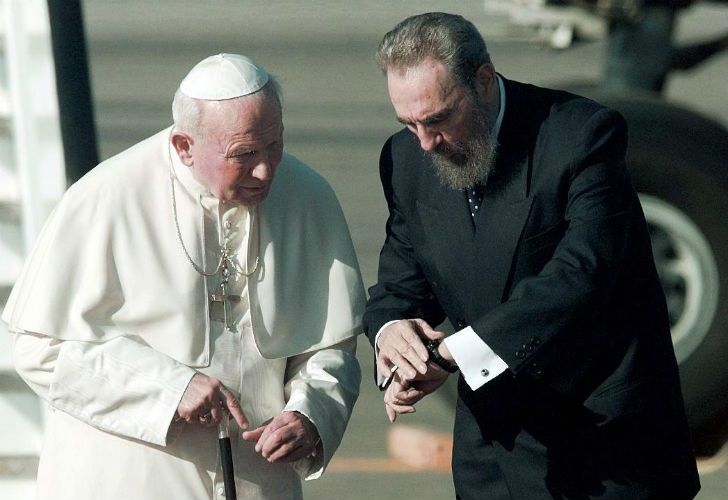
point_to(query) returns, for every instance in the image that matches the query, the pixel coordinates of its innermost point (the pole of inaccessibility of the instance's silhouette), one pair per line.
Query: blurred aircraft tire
(679, 164)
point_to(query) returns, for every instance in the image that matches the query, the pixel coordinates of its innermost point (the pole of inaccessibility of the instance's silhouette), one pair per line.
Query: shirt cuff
(477, 362)
(380, 378)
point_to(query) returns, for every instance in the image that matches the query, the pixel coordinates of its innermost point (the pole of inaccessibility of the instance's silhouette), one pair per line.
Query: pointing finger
(233, 408)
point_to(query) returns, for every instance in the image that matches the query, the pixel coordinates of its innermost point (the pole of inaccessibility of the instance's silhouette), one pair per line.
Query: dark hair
(448, 38)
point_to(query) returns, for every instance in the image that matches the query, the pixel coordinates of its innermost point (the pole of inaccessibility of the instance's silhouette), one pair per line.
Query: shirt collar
(501, 104)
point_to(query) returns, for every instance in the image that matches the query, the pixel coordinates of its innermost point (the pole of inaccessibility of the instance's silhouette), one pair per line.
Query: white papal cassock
(111, 321)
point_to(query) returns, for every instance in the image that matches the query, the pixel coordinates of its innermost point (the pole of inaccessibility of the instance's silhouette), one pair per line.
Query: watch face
(431, 346)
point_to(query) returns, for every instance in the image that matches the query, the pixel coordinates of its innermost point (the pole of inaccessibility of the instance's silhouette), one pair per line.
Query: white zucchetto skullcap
(223, 76)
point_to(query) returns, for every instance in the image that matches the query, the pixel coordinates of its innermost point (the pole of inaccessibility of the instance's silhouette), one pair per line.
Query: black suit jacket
(557, 277)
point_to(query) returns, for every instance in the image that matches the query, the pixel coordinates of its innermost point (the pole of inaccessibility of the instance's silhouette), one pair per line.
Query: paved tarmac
(337, 116)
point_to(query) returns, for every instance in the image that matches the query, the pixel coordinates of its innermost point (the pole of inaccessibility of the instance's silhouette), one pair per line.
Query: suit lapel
(447, 226)
(499, 224)
(507, 202)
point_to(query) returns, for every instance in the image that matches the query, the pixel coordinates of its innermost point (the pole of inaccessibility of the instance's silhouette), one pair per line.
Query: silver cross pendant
(220, 303)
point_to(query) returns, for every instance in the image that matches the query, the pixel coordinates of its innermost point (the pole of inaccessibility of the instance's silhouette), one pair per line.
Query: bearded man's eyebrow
(438, 117)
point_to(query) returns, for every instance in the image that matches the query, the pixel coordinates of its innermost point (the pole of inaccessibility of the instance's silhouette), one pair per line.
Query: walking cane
(226, 458)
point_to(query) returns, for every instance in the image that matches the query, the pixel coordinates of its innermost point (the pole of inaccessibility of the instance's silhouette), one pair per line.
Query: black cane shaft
(228, 475)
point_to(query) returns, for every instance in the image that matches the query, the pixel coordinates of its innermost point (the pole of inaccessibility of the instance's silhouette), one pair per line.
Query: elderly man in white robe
(203, 274)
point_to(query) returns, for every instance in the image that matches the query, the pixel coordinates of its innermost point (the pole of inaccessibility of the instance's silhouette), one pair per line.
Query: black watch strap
(436, 358)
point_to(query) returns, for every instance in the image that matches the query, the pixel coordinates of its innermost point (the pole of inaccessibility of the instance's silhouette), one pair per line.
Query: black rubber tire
(681, 158)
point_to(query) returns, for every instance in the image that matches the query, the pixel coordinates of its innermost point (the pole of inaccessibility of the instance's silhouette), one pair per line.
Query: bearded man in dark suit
(511, 213)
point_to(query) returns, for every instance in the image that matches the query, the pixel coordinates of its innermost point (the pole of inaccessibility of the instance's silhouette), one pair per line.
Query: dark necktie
(475, 197)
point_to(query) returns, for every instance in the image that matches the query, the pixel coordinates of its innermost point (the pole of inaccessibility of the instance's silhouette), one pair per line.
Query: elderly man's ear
(183, 145)
(487, 84)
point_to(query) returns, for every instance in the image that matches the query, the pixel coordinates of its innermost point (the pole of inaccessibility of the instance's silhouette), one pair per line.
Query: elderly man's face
(454, 125)
(241, 146)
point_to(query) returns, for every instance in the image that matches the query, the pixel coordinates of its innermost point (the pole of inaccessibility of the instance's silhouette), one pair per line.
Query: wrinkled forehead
(253, 115)
(429, 76)
(420, 91)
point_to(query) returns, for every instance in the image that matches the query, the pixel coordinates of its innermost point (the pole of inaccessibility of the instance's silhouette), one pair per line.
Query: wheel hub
(688, 273)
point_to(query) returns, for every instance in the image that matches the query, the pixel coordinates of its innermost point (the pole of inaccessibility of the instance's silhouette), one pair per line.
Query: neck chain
(224, 263)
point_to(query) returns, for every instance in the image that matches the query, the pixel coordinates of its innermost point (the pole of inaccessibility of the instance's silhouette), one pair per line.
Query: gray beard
(474, 161)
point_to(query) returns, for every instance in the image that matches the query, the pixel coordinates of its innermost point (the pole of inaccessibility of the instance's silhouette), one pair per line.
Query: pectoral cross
(220, 303)
(221, 299)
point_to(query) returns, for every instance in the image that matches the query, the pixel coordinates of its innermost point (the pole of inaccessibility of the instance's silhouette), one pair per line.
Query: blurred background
(659, 63)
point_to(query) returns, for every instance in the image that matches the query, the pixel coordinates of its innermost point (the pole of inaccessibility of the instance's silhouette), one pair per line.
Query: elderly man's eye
(436, 120)
(243, 156)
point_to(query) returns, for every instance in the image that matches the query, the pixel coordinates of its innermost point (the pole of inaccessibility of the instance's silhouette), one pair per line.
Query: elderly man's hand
(401, 396)
(205, 402)
(400, 344)
(288, 437)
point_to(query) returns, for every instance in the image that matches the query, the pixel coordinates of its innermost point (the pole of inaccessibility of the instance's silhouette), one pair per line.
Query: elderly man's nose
(428, 139)
(262, 170)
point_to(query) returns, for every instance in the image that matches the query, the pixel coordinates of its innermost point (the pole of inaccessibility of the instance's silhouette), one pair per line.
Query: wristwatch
(435, 357)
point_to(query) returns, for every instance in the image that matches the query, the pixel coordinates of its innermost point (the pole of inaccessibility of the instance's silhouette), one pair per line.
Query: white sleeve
(477, 362)
(121, 386)
(323, 385)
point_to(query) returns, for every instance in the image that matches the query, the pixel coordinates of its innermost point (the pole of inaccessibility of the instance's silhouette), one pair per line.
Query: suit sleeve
(551, 315)
(402, 291)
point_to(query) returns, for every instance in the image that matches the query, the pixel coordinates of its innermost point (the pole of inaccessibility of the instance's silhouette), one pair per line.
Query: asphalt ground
(337, 116)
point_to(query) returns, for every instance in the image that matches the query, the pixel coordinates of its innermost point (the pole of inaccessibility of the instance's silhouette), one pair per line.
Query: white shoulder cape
(108, 263)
